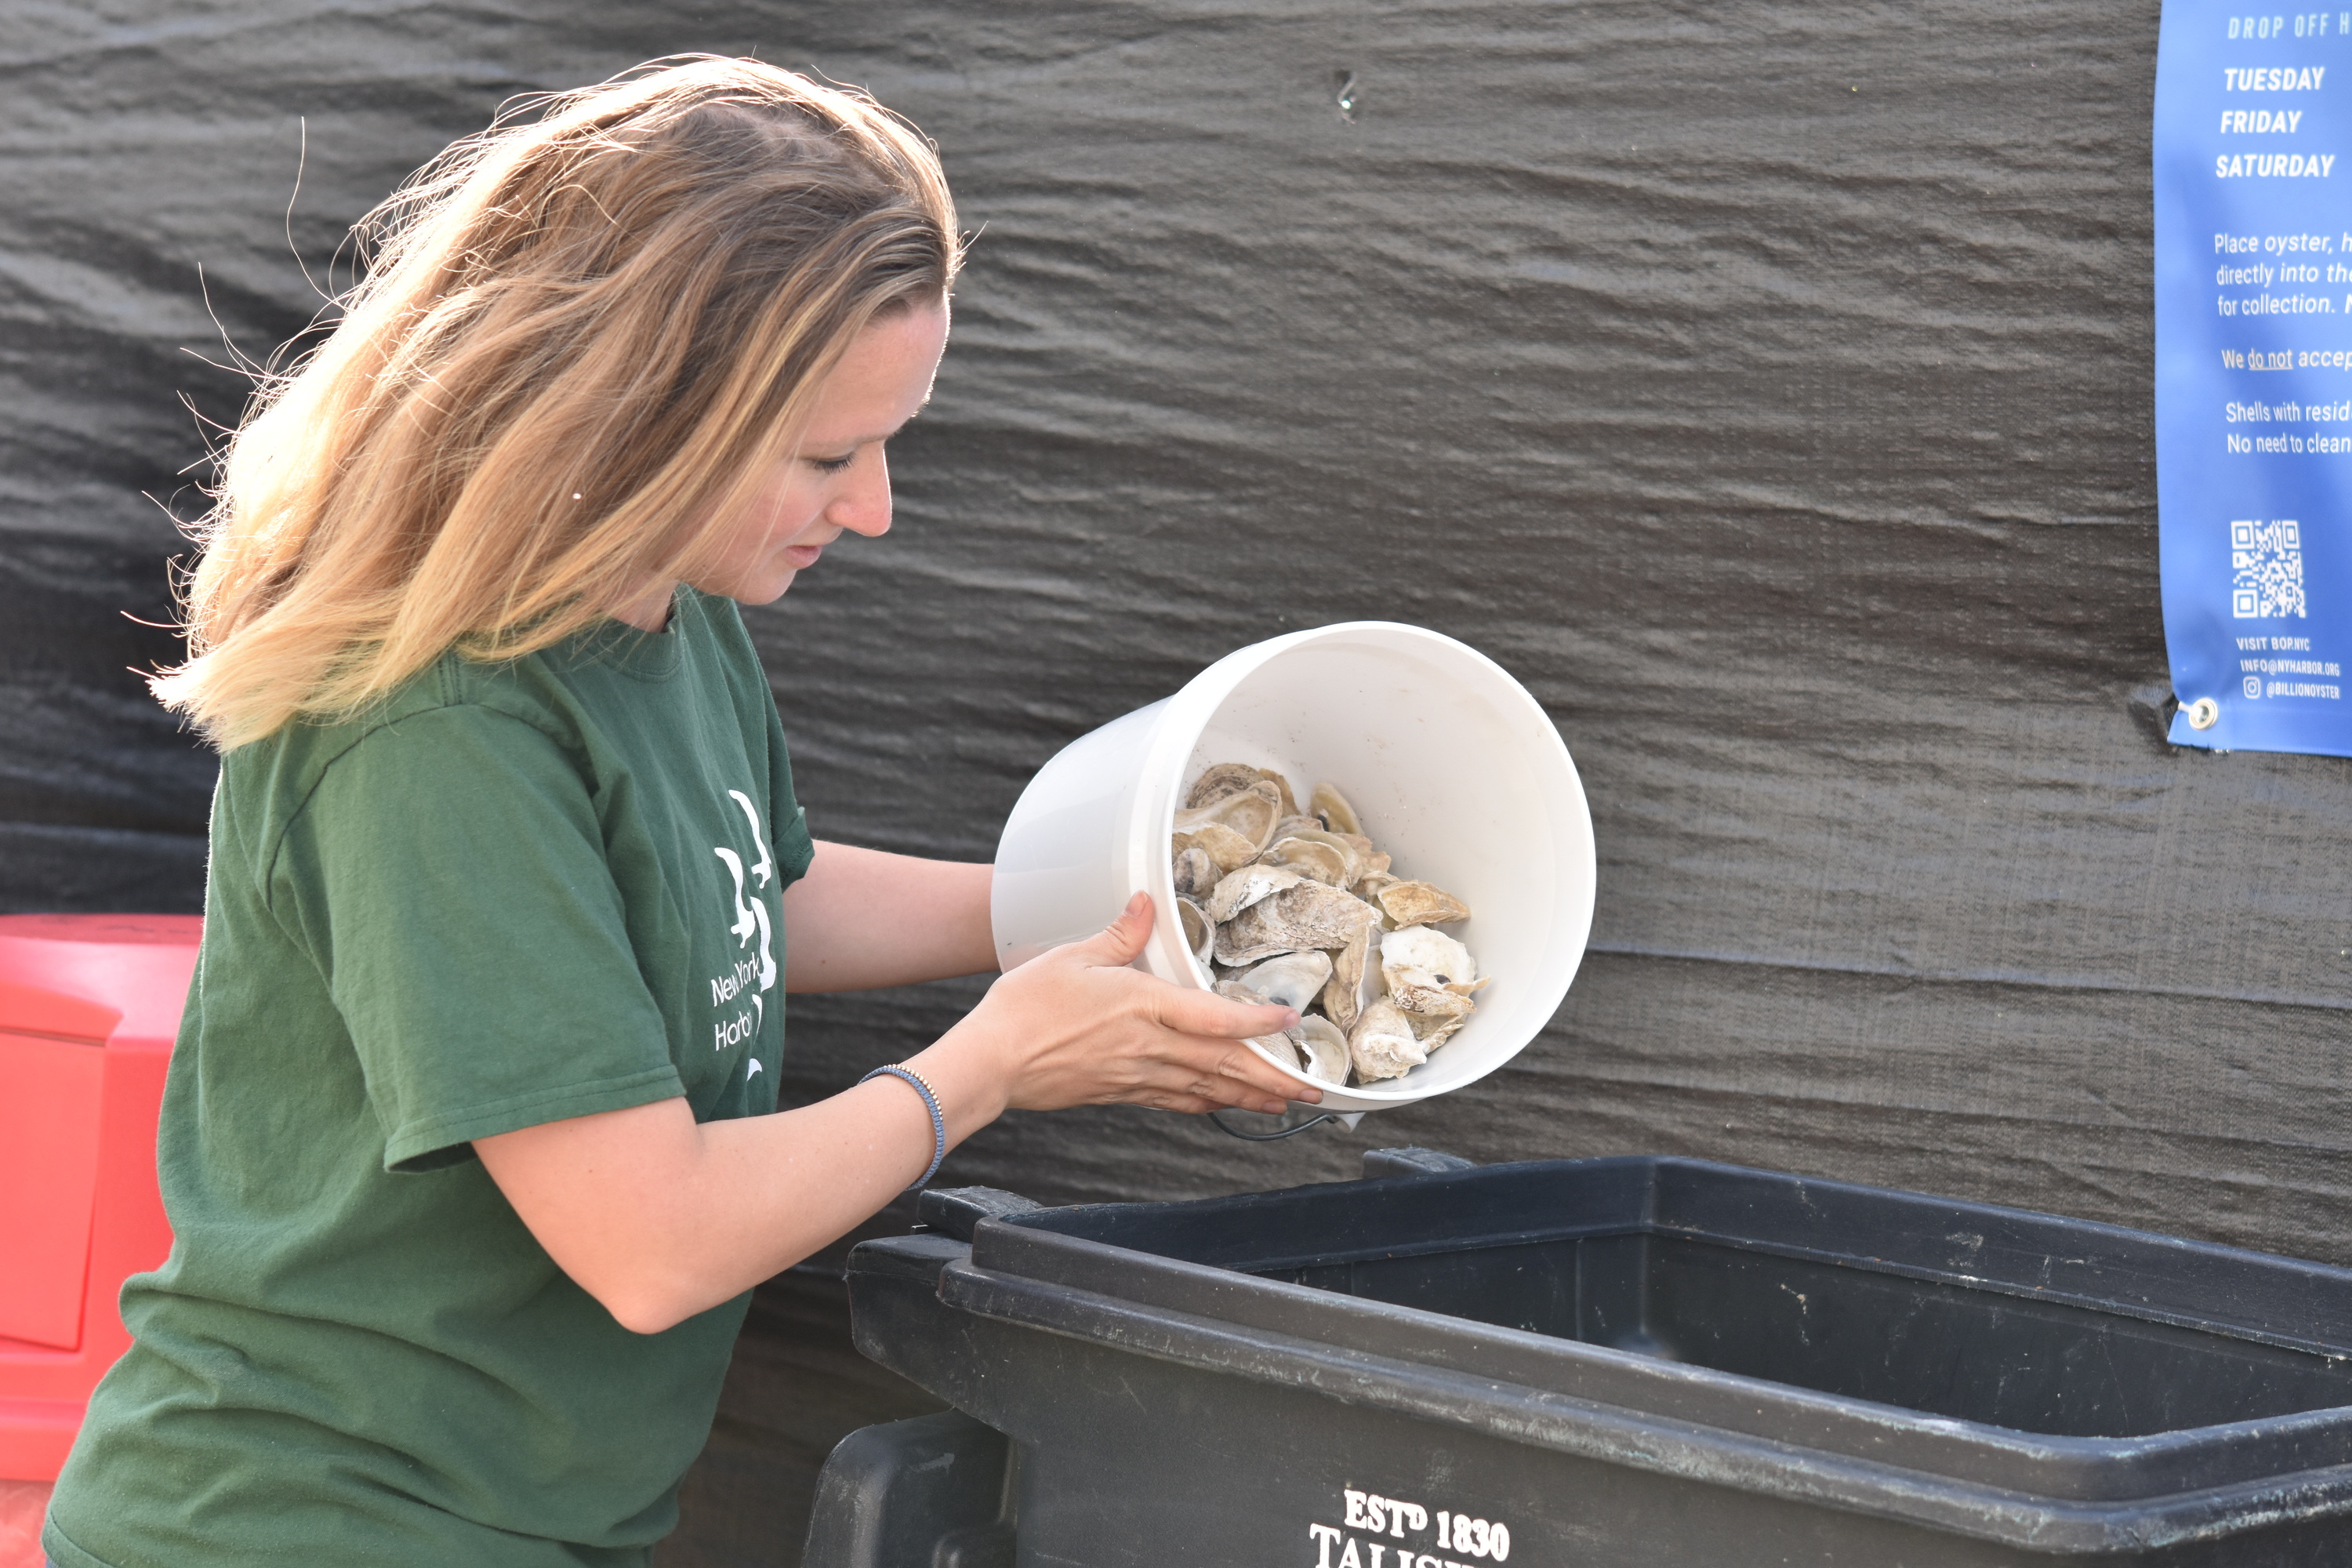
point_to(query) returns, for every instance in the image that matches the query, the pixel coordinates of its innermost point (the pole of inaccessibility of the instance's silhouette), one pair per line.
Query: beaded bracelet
(931, 1103)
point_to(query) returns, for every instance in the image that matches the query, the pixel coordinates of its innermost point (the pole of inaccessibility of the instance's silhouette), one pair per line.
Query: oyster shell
(1244, 886)
(1417, 955)
(1328, 863)
(1251, 812)
(1195, 873)
(1382, 1044)
(1434, 1015)
(1307, 915)
(1217, 781)
(1233, 829)
(1368, 860)
(1301, 909)
(1356, 980)
(1222, 779)
(1324, 1048)
(1328, 804)
(1225, 849)
(1282, 1049)
(1292, 980)
(1286, 1047)
(1420, 904)
(1200, 932)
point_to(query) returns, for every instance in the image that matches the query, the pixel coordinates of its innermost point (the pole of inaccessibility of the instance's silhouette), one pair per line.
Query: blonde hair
(584, 340)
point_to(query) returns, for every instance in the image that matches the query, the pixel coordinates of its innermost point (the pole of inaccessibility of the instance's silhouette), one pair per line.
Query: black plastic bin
(1596, 1362)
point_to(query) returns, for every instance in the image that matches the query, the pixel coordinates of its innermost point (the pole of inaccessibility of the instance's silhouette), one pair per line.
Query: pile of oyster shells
(1298, 907)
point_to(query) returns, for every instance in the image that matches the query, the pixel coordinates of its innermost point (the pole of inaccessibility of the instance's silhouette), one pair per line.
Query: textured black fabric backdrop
(1767, 385)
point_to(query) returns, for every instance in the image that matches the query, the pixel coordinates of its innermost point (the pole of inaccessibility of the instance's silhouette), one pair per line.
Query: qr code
(2266, 558)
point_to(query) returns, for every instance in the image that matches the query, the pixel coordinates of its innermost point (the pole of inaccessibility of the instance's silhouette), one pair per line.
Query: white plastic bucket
(1456, 772)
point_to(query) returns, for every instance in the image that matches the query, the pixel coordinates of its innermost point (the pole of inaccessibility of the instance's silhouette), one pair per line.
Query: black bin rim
(1075, 1271)
(2208, 1287)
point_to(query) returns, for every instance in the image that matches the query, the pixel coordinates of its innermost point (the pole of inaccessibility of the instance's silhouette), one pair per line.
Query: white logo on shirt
(763, 870)
(750, 920)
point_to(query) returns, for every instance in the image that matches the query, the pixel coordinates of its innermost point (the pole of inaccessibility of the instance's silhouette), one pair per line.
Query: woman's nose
(864, 506)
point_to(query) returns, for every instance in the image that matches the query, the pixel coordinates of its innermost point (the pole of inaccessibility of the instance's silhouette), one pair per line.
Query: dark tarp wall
(1767, 385)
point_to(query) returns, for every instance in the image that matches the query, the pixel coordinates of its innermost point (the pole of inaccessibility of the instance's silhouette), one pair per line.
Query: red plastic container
(88, 1006)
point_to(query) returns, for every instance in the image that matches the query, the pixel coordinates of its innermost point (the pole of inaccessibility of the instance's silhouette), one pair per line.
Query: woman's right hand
(1078, 1026)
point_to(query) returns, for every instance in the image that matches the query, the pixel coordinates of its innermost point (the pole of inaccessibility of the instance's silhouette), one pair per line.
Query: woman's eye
(833, 465)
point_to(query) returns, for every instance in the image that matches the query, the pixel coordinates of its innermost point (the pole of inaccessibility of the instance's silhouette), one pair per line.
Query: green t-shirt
(517, 893)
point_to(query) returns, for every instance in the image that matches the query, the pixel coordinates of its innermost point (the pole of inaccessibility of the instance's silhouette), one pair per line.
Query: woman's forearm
(661, 1218)
(862, 919)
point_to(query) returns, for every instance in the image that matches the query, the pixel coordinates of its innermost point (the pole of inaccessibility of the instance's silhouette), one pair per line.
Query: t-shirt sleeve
(448, 875)
(795, 848)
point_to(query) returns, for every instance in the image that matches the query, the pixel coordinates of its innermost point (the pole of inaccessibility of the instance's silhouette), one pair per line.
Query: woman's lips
(801, 557)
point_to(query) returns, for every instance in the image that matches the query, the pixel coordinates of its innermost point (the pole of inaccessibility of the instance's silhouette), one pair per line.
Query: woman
(470, 1145)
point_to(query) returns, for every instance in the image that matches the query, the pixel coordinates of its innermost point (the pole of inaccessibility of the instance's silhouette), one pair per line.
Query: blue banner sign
(2253, 373)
